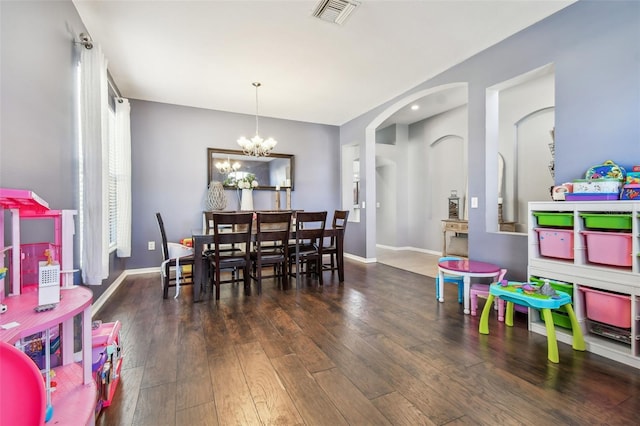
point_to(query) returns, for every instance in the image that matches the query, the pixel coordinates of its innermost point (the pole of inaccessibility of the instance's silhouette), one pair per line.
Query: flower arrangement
(247, 182)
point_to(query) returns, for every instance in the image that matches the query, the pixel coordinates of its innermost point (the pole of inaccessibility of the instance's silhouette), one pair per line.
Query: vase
(246, 202)
(216, 198)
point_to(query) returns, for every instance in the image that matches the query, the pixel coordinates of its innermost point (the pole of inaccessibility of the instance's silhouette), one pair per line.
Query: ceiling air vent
(336, 11)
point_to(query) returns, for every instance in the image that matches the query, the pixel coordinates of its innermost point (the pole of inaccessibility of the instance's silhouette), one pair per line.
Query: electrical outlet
(152, 245)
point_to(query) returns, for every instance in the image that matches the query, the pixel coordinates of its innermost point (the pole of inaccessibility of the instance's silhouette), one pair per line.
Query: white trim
(360, 259)
(104, 297)
(420, 250)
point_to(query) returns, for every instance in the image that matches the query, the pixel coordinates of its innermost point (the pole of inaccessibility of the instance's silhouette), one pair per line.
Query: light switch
(474, 202)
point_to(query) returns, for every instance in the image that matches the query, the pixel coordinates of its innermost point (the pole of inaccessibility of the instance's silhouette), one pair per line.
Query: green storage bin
(607, 220)
(560, 319)
(560, 316)
(554, 219)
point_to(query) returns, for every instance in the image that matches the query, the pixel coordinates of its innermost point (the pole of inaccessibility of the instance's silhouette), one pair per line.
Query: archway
(402, 172)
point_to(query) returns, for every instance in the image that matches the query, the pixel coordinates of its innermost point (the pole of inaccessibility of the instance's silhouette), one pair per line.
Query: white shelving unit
(580, 272)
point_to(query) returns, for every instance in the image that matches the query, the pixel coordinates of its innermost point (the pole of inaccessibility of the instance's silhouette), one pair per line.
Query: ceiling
(206, 54)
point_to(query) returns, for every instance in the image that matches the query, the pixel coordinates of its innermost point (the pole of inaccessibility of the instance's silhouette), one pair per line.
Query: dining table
(202, 239)
(466, 269)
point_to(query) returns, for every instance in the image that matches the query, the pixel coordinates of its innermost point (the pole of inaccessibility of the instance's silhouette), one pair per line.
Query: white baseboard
(360, 259)
(99, 303)
(420, 250)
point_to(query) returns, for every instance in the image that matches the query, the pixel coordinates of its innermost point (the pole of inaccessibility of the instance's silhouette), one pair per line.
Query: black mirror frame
(211, 170)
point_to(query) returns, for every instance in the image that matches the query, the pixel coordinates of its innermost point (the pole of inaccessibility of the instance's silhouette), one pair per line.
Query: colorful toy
(514, 292)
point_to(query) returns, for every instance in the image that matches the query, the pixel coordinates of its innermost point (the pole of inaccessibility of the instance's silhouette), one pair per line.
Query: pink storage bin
(609, 308)
(555, 242)
(608, 248)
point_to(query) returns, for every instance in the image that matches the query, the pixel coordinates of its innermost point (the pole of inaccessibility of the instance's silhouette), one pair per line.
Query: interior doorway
(419, 152)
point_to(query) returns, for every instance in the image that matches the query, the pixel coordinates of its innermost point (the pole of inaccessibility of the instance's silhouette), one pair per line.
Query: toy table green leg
(552, 343)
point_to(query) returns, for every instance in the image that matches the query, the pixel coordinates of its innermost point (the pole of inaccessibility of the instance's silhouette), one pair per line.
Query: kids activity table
(513, 292)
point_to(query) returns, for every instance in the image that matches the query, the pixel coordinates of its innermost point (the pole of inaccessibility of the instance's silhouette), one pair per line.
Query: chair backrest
(232, 228)
(273, 227)
(445, 258)
(165, 245)
(503, 272)
(340, 218)
(208, 223)
(310, 226)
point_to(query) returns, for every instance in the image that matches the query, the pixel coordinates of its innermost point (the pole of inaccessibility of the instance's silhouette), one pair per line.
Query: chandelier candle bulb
(277, 198)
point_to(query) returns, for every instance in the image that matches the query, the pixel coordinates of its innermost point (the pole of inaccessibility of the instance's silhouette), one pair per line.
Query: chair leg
(216, 283)
(246, 279)
(165, 282)
(259, 274)
(460, 292)
(474, 303)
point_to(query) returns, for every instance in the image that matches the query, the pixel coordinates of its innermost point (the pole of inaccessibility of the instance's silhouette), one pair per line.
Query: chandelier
(225, 167)
(257, 146)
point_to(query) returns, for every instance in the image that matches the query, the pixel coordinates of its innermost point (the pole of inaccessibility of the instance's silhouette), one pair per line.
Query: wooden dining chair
(175, 258)
(231, 230)
(306, 253)
(272, 246)
(339, 221)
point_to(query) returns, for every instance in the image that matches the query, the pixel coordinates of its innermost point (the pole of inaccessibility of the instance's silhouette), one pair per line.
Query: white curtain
(123, 172)
(94, 167)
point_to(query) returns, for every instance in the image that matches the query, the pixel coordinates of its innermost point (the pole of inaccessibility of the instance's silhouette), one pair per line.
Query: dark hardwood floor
(378, 349)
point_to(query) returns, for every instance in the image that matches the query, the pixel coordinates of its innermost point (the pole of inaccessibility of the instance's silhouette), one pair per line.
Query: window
(112, 175)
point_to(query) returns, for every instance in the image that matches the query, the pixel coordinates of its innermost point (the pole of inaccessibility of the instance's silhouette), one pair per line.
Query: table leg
(508, 318)
(552, 343)
(484, 318)
(197, 269)
(578, 338)
(440, 286)
(340, 255)
(466, 294)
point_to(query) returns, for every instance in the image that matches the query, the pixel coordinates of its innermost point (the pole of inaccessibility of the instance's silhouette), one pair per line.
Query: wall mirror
(227, 166)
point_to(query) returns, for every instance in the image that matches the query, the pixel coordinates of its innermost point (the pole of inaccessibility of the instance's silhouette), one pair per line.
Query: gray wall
(596, 50)
(37, 74)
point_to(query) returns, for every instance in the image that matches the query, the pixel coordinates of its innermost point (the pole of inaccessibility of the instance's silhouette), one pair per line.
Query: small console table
(460, 226)
(512, 293)
(453, 225)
